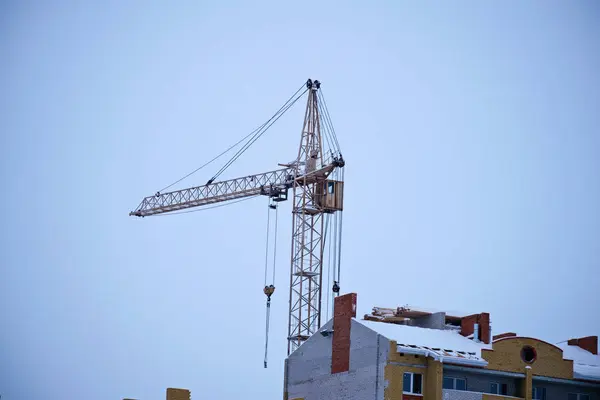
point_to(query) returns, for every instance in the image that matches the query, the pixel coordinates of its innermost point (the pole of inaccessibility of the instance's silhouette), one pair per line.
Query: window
(539, 393)
(579, 396)
(413, 383)
(528, 354)
(454, 383)
(330, 186)
(499, 388)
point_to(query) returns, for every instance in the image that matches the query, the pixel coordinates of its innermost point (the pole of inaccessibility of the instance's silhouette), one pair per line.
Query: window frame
(454, 380)
(541, 389)
(330, 187)
(499, 387)
(412, 383)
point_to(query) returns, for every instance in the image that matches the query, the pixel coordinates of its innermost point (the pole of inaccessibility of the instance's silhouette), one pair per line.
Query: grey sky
(473, 178)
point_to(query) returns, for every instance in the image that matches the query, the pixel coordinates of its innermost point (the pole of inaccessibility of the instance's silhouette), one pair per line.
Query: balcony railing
(449, 394)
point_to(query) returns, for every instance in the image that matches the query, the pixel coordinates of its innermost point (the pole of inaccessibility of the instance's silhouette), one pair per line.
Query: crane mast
(315, 195)
(307, 232)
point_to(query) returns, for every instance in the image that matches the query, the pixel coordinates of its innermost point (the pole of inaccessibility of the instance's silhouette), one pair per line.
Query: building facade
(418, 355)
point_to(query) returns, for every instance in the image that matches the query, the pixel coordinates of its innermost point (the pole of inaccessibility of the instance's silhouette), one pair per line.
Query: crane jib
(274, 184)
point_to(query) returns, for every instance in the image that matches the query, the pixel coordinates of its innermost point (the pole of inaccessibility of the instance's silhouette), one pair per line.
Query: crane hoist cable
(340, 243)
(270, 289)
(251, 134)
(329, 267)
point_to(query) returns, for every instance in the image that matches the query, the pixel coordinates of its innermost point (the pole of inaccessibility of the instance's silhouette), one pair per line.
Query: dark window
(407, 382)
(449, 383)
(528, 354)
(497, 388)
(539, 393)
(417, 383)
(413, 383)
(330, 187)
(455, 383)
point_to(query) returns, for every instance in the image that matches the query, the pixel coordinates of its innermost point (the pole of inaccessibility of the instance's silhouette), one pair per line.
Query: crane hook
(269, 290)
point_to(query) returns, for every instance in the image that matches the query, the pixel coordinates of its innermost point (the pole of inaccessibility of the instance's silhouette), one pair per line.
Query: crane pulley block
(269, 290)
(275, 192)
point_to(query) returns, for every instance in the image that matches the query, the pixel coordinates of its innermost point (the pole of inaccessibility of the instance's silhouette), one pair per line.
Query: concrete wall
(309, 368)
(481, 383)
(433, 321)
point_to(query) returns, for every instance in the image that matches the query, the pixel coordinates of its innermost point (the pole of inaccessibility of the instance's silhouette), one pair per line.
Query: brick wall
(344, 311)
(467, 326)
(589, 343)
(506, 356)
(178, 394)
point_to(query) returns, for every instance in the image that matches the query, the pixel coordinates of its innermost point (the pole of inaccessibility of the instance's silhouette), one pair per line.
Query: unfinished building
(403, 353)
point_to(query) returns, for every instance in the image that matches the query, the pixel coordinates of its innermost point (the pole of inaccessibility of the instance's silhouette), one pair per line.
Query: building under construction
(410, 354)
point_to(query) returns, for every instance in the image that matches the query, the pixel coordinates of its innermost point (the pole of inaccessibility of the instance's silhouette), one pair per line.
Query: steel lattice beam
(307, 232)
(216, 192)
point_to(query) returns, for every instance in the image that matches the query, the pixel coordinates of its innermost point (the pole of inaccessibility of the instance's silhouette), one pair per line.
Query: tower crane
(316, 181)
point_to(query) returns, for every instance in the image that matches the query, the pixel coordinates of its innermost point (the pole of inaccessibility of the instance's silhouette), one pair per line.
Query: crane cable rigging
(270, 289)
(251, 137)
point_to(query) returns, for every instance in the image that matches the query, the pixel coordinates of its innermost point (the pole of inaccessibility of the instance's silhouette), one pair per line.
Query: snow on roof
(445, 345)
(585, 364)
(451, 347)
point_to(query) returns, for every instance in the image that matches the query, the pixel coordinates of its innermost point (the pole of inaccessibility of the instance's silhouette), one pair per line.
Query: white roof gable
(585, 364)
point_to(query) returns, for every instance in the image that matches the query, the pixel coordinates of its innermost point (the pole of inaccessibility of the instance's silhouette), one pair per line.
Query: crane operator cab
(330, 195)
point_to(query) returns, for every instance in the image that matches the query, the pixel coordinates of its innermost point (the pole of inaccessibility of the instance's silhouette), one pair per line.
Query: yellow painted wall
(506, 356)
(406, 358)
(394, 374)
(434, 380)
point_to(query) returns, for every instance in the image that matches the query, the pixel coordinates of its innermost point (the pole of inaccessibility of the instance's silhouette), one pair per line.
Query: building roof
(585, 364)
(445, 345)
(449, 346)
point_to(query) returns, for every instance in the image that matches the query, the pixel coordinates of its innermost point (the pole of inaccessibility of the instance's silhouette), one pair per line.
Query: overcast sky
(471, 135)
